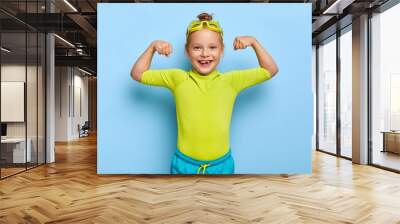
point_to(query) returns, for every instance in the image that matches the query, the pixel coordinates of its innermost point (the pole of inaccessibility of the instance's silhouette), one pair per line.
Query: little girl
(204, 96)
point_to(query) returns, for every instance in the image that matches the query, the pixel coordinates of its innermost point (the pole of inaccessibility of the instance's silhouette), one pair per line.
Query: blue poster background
(272, 123)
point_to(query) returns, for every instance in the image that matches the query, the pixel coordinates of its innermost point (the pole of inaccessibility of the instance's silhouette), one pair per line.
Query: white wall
(71, 93)
(12, 101)
(62, 81)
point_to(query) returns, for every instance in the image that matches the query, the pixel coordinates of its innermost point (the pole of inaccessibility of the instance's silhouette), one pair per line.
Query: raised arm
(143, 63)
(264, 58)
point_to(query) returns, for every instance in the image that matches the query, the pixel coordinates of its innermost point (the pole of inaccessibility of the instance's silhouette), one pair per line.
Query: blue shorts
(182, 164)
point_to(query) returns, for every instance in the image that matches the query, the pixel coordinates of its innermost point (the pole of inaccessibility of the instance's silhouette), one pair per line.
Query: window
(385, 82)
(346, 93)
(327, 95)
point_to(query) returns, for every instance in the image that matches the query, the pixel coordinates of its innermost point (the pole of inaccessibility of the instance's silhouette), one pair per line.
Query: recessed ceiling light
(84, 71)
(337, 7)
(64, 40)
(5, 50)
(70, 5)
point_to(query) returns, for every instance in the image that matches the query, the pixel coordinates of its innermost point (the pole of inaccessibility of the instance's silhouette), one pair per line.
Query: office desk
(391, 141)
(16, 147)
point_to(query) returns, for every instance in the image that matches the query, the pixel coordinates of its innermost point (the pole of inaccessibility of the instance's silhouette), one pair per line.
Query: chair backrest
(86, 125)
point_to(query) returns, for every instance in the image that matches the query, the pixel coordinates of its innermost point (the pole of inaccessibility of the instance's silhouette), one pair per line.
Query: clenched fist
(162, 47)
(241, 42)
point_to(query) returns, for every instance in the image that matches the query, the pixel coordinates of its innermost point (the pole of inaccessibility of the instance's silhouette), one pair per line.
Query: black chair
(84, 130)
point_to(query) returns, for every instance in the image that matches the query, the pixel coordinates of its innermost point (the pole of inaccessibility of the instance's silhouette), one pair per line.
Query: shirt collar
(200, 76)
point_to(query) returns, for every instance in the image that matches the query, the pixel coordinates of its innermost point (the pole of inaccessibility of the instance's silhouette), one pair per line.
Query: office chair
(84, 130)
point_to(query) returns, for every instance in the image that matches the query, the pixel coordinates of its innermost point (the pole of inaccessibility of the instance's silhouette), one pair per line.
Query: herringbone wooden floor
(70, 191)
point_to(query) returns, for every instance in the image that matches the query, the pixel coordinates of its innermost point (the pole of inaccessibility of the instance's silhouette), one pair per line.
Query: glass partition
(327, 95)
(346, 93)
(385, 81)
(22, 77)
(13, 105)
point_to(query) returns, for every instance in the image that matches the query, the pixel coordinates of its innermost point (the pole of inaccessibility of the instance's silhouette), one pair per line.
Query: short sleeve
(169, 78)
(242, 79)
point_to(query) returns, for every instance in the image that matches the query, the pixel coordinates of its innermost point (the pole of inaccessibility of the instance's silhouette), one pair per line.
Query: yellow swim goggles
(198, 25)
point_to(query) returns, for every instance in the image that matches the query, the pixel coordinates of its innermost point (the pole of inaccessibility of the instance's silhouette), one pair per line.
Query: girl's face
(204, 50)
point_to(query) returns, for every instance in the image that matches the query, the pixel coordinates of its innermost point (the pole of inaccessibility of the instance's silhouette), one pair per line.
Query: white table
(19, 149)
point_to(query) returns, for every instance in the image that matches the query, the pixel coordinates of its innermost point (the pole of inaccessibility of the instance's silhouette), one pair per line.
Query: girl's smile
(204, 50)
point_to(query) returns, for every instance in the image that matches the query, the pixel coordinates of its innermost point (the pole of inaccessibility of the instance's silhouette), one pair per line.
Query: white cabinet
(18, 149)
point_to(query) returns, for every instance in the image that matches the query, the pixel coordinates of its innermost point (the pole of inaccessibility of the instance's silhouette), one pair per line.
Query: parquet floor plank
(70, 191)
